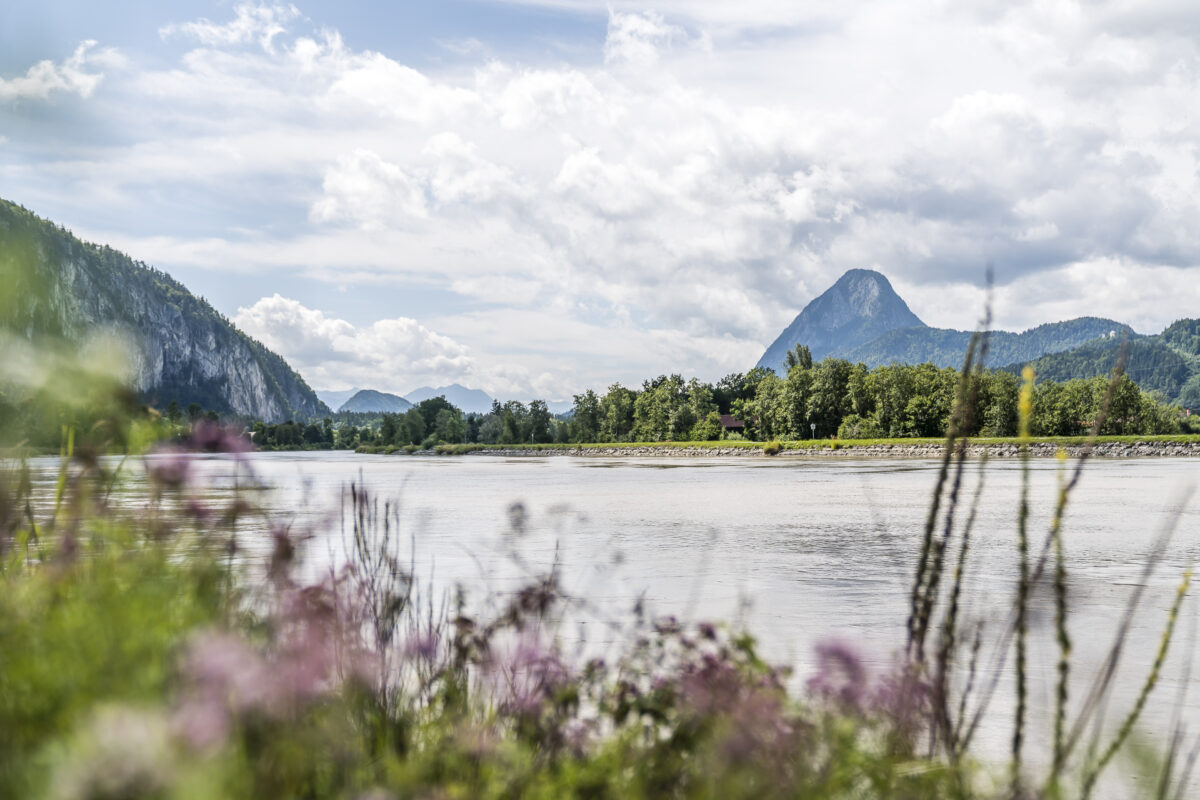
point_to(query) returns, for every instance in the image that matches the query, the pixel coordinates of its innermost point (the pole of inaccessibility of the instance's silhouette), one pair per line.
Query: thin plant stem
(1002, 650)
(1025, 411)
(929, 563)
(1131, 719)
(1060, 625)
(1100, 687)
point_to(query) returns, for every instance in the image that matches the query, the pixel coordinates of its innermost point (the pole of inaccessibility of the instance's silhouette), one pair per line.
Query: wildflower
(841, 675)
(902, 699)
(212, 437)
(168, 466)
(422, 647)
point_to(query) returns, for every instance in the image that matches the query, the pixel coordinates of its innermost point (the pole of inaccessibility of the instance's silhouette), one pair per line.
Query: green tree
(1125, 405)
(414, 426)
(587, 416)
(540, 422)
(312, 433)
(514, 421)
(860, 390)
(430, 408)
(830, 397)
(390, 428)
(927, 412)
(799, 356)
(449, 426)
(997, 412)
(796, 393)
(707, 429)
(617, 413)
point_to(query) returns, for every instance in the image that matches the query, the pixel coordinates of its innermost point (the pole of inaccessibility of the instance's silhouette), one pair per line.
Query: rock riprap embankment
(916, 450)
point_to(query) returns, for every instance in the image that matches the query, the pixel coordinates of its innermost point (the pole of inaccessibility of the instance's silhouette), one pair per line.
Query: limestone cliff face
(182, 348)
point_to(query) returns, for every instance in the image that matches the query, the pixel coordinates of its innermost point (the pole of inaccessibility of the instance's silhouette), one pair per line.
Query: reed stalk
(1025, 414)
(1089, 780)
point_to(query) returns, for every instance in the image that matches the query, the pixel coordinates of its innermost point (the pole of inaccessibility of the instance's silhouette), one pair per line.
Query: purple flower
(841, 675)
(422, 647)
(902, 698)
(201, 723)
(169, 466)
(530, 675)
(212, 437)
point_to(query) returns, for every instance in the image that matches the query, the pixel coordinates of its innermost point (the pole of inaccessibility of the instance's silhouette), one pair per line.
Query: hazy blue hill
(371, 400)
(183, 349)
(334, 399)
(857, 309)
(946, 347)
(468, 400)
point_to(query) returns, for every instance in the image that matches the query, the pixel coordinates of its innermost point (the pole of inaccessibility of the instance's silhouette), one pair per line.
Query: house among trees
(731, 425)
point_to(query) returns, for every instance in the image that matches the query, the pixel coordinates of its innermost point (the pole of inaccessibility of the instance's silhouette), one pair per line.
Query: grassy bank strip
(772, 448)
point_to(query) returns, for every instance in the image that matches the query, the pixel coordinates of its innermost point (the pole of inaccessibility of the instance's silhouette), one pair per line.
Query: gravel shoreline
(1007, 450)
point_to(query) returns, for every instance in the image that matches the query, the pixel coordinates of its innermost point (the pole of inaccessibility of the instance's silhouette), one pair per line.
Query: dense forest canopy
(830, 398)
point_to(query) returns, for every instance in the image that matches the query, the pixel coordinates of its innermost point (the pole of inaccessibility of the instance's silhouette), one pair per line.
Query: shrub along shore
(1104, 446)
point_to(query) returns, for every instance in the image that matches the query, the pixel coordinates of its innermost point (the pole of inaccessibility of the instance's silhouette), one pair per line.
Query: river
(795, 549)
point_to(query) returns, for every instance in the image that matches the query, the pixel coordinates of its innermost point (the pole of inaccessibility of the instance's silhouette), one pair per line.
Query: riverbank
(1105, 447)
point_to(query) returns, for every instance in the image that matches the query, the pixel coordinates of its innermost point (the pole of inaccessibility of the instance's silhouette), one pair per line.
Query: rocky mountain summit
(182, 349)
(859, 308)
(862, 319)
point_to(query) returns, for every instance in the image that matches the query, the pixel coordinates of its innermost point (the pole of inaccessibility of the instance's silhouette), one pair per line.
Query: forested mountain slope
(1168, 363)
(946, 347)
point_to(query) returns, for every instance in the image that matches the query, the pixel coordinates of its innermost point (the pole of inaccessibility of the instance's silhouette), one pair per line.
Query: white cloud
(72, 75)
(390, 354)
(636, 39)
(252, 22)
(702, 199)
(363, 188)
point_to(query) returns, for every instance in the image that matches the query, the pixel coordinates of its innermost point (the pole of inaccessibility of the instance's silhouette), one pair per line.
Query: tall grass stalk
(1009, 631)
(1025, 414)
(1093, 772)
(929, 562)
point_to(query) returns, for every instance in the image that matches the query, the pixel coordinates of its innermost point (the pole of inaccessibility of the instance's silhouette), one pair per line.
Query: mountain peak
(468, 400)
(860, 306)
(372, 401)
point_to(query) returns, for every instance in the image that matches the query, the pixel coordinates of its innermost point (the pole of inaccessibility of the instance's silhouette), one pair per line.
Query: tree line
(831, 398)
(837, 398)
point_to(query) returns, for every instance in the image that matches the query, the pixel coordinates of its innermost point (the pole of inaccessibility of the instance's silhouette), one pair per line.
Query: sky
(536, 197)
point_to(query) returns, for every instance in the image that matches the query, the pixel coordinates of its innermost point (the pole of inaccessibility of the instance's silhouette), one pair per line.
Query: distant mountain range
(862, 319)
(183, 349)
(370, 400)
(468, 400)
